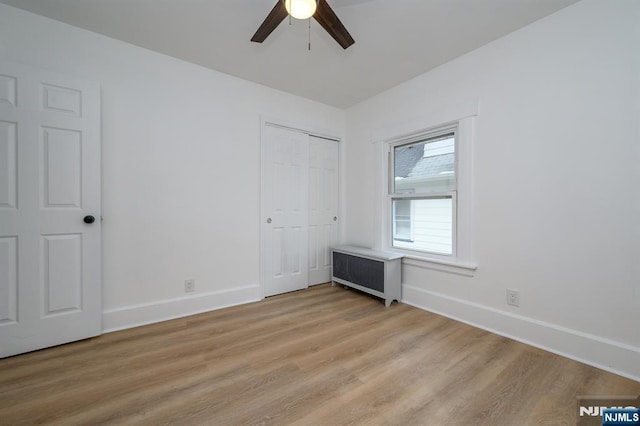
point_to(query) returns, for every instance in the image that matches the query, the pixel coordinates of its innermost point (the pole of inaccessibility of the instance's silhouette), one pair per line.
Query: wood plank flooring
(323, 356)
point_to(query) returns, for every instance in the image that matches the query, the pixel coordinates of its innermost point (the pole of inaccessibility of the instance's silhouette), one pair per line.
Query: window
(422, 192)
(402, 230)
(425, 198)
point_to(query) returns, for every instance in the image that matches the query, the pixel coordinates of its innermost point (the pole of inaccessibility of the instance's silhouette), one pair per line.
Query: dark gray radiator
(372, 271)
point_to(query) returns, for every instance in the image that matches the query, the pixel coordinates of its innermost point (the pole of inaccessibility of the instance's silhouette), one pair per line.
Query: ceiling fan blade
(277, 15)
(327, 18)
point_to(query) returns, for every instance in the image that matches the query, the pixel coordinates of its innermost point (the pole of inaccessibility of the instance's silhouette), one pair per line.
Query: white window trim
(462, 261)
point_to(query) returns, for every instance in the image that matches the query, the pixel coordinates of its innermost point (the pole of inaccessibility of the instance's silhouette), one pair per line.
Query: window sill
(452, 267)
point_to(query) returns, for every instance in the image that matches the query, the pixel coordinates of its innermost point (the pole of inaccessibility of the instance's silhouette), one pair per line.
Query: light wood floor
(323, 356)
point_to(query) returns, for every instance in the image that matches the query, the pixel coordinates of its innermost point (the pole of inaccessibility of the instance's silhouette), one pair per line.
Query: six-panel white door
(285, 211)
(323, 207)
(50, 279)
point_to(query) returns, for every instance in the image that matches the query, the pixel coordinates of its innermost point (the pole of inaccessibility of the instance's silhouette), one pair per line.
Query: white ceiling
(395, 39)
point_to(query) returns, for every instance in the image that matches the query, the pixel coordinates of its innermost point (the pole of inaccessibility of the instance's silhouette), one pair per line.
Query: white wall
(556, 176)
(181, 158)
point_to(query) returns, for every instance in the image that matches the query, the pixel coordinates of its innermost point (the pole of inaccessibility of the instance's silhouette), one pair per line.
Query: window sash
(406, 246)
(401, 194)
(430, 137)
(406, 218)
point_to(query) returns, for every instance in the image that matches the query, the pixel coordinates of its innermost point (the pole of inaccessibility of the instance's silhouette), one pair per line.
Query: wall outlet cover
(513, 297)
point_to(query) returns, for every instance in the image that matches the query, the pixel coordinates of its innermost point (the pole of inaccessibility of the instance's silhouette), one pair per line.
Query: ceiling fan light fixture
(301, 9)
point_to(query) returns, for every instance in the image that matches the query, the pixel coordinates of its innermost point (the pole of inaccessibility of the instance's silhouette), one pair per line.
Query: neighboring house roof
(409, 162)
(433, 166)
(406, 158)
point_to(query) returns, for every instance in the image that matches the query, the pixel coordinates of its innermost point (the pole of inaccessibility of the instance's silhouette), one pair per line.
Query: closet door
(323, 207)
(285, 210)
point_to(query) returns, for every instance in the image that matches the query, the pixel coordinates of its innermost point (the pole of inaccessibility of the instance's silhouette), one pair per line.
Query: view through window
(423, 194)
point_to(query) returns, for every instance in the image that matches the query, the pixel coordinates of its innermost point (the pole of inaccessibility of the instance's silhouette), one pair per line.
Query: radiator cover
(372, 271)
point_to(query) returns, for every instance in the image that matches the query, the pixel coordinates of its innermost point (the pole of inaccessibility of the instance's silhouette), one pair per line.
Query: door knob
(89, 219)
(268, 220)
(335, 218)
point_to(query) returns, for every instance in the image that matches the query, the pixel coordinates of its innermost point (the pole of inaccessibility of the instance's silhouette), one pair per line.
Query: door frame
(311, 131)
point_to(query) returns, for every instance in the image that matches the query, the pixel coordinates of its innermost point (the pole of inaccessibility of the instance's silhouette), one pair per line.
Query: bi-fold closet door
(299, 209)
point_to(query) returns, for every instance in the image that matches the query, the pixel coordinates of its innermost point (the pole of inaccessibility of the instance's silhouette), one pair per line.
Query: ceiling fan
(325, 16)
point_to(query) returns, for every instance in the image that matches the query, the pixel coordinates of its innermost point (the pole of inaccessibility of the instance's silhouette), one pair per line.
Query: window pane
(402, 220)
(425, 166)
(431, 225)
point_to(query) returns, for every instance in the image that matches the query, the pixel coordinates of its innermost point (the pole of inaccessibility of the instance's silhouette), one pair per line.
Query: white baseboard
(149, 313)
(615, 357)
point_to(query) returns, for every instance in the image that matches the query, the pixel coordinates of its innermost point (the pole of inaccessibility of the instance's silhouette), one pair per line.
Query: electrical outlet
(189, 286)
(513, 297)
